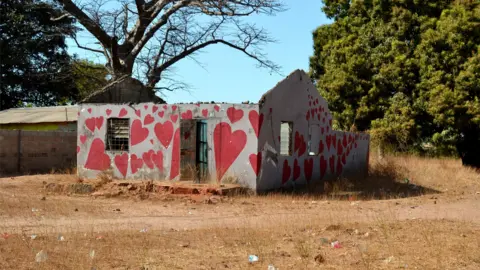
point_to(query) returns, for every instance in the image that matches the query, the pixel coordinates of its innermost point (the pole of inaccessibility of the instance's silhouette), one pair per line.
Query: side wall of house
(334, 153)
(155, 141)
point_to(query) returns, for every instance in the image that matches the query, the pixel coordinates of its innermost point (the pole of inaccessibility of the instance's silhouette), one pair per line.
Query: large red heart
(135, 163)
(300, 144)
(148, 119)
(296, 170)
(137, 132)
(256, 121)
(164, 133)
(147, 158)
(323, 166)
(123, 112)
(286, 172)
(308, 168)
(344, 140)
(187, 115)
(228, 145)
(205, 113)
(121, 161)
(83, 138)
(97, 159)
(334, 141)
(256, 161)
(175, 165)
(234, 115)
(331, 162)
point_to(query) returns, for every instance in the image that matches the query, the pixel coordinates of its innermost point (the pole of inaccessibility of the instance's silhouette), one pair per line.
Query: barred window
(286, 130)
(118, 134)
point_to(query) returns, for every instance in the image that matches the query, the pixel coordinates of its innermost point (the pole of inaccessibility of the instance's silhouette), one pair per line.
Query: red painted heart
(89, 110)
(217, 108)
(308, 116)
(331, 162)
(308, 168)
(138, 113)
(99, 122)
(97, 159)
(234, 115)
(78, 149)
(123, 112)
(323, 166)
(321, 148)
(161, 114)
(186, 135)
(227, 145)
(145, 106)
(90, 123)
(121, 162)
(205, 113)
(137, 132)
(174, 118)
(108, 111)
(164, 133)
(157, 159)
(256, 161)
(147, 158)
(135, 163)
(175, 164)
(174, 107)
(83, 138)
(296, 170)
(256, 121)
(148, 119)
(339, 148)
(344, 141)
(329, 141)
(286, 172)
(154, 109)
(165, 107)
(187, 115)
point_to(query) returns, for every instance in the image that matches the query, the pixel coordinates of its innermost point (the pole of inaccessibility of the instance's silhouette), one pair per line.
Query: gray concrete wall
(155, 140)
(36, 151)
(337, 153)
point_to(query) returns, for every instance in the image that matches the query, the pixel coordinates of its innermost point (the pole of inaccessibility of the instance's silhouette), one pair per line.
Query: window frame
(290, 139)
(109, 135)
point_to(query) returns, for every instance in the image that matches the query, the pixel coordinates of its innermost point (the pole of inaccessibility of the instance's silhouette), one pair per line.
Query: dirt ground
(439, 229)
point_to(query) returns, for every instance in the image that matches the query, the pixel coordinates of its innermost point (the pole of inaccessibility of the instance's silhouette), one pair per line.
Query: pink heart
(187, 115)
(205, 113)
(256, 161)
(137, 132)
(97, 159)
(228, 145)
(164, 133)
(148, 119)
(108, 111)
(83, 138)
(135, 163)
(123, 112)
(234, 115)
(174, 117)
(121, 161)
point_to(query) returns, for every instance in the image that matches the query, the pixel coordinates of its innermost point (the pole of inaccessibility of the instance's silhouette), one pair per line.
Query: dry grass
(291, 231)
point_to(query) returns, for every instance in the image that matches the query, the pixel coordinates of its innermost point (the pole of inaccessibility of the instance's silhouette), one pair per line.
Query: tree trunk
(468, 147)
(124, 90)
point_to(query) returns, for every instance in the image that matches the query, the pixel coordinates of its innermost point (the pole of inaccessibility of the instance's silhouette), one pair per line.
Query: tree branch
(86, 48)
(86, 21)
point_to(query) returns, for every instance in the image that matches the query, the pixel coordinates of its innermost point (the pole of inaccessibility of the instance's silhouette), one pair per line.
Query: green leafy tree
(88, 77)
(408, 69)
(33, 55)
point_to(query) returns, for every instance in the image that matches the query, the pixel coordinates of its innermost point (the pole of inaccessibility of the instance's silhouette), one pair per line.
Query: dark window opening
(286, 131)
(118, 134)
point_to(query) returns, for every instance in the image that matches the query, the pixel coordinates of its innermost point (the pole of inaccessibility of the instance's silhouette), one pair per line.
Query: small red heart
(217, 108)
(174, 117)
(83, 138)
(123, 112)
(135, 163)
(108, 111)
(165, 107)
(121, 161)
(99, 122)
(286, 172)
(138, 113)
(89, 110)
(296, 170)
(205, 113)
(148, 119)
(78, 149)
(174, 107)
(154, 109)
(187, 115)
(161, 114)
(146, 107)
(186, 135)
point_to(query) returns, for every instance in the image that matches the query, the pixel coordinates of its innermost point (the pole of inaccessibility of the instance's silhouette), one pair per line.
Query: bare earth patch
(438, 228)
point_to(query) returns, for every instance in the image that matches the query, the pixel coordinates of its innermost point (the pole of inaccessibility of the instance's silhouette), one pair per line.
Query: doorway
(193, 150)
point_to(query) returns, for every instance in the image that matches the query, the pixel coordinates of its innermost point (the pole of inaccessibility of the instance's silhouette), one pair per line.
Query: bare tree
(146, 38)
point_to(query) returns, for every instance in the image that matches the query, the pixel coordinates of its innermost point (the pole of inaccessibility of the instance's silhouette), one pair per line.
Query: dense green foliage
(35, 66)
(88, 77)
(407, 70)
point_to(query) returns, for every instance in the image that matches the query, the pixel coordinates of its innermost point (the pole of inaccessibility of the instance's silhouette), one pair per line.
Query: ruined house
(286, 139)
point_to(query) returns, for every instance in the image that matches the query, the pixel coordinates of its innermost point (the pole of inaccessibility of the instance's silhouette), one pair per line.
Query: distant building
(59, 118)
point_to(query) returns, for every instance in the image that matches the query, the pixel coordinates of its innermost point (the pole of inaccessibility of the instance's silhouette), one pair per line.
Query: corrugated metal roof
(39, 115)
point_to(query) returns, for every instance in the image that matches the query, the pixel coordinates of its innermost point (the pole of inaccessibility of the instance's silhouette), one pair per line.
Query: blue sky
(238, 79)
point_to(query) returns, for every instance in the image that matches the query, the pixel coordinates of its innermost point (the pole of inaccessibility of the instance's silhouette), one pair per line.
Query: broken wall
(318, 153)
(155, 141)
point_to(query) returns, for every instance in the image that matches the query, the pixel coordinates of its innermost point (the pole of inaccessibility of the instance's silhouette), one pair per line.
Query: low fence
(23, 152)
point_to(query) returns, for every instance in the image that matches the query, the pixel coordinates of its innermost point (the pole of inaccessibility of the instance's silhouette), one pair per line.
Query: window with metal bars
(286, 130)
(118, 134)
